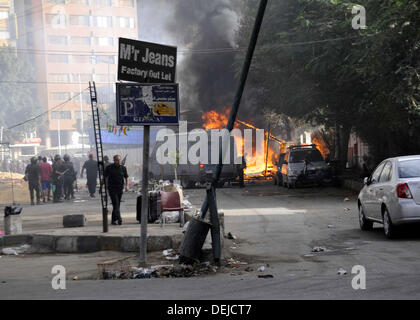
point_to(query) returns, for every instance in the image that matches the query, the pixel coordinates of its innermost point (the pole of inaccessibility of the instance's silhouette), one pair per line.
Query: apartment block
(8, 30)
(72, 42)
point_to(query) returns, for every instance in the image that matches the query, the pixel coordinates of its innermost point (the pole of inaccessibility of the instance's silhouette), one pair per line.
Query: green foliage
(18, 100)
(312, 65)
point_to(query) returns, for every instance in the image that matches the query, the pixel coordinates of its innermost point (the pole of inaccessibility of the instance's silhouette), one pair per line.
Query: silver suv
(302, 165)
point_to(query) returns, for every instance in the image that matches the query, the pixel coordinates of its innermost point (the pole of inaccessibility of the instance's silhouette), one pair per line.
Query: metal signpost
(154, 100)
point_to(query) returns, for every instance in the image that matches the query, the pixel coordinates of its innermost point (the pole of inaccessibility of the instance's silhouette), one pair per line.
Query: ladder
(99, 154)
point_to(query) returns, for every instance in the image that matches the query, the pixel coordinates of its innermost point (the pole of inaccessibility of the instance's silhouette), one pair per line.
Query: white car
(391, 195)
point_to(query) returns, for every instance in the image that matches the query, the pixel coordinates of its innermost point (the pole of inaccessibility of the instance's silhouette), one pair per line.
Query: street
(275, 227)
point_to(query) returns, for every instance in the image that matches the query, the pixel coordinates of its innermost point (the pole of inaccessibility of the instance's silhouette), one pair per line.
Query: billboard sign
(147, 104)
(146, 62)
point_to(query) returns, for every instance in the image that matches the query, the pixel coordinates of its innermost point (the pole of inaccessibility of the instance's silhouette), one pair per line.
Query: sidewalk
(43, 228)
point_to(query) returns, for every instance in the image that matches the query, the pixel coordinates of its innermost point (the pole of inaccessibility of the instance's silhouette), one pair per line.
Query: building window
(102, 22)
(84, 77)
(80, 2)
(80, 58)
(60, 96)
(58, 58)
(80, 41)
(102, 3)
(4, 35)
(125, 22)
(124, 3)
(60, 115)
(4, 15)
(105, 59)
(59, 77)
(78, 20)
(104, 41)
(57, 1)
(57, 40)
(56, 20)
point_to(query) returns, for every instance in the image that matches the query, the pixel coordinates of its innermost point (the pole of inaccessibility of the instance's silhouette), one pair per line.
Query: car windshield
(311, 155)
(409, 169)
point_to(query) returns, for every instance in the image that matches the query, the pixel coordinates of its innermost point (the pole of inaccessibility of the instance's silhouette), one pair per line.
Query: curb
(41, 243)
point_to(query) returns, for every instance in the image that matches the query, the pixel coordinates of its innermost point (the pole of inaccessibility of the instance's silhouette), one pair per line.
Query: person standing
(115, 174)
(46, 170)
(68, 177)
(91, 167)
(57, 178)
(33, 176)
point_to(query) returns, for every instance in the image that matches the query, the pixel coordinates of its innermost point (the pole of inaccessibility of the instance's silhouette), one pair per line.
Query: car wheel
(389, 228)
(365, 224)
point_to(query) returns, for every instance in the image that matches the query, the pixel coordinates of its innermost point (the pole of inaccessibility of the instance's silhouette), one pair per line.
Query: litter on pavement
(16, 250)
(319, 249)
(231, 236)
(346, 199)
(261, 269)
(265, 276)
(341, 272)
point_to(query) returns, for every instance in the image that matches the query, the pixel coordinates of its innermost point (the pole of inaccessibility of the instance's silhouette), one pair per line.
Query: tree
(17, 94)
(312, 65)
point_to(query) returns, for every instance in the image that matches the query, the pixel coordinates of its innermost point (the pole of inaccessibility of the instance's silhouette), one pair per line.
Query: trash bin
(193, 241)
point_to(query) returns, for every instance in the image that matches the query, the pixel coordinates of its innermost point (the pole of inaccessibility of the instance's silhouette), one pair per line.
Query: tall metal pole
(1, 141)
(144, 196)
(81, 116)
(210, 200)
(239, 92)
(59, 136)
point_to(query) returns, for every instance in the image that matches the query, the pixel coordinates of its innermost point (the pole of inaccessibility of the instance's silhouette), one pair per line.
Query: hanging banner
(147, 104)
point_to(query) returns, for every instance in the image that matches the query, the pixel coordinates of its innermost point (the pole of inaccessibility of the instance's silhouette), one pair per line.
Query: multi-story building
(72, 42)
(7, 23)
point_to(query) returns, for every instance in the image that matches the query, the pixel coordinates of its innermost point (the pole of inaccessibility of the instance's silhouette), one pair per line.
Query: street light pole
(81, 117)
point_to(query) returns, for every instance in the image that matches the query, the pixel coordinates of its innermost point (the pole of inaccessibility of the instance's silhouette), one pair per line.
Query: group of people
(60, 178)
(44, 178)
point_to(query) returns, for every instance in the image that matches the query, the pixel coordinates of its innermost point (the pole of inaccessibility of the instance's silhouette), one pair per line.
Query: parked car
(278, 178)
(302, 165)
(391, 195)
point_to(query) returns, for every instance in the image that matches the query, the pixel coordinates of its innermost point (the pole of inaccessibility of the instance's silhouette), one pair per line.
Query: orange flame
(218, 120)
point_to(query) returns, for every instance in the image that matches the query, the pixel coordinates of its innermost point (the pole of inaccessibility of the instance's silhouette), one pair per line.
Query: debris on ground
(249, 269)
(341, 272)
(162, 271)
(265, 276)
(16, 250)
(346, 199)
(347, 209)
(170, 254)
(319, 249)
(261, 269)
(231, 236)
(330, 226)
(75, 278)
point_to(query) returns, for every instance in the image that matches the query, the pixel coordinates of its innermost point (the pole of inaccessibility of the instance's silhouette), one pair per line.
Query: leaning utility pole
(210, 200)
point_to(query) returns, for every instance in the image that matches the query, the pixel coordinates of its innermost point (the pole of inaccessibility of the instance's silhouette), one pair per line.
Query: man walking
(69, 177)
(33, 176)
(57, 178)
(46, 170)
(115, 174)
(91, 167)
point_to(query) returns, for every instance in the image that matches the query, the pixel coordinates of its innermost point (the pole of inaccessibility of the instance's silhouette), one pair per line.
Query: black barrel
(193, 241)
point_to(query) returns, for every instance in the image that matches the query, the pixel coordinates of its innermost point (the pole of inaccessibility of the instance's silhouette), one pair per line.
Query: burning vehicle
(304, 164)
